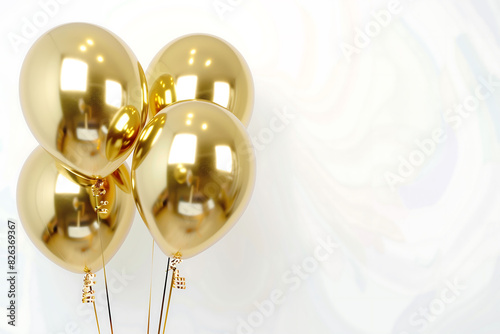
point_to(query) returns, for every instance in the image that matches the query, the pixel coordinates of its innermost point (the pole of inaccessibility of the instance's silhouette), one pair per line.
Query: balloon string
(96, 320)
(163, 298)
(168, 303)
(151, 283)
(177, 282)
(98, 190)
(106, 285)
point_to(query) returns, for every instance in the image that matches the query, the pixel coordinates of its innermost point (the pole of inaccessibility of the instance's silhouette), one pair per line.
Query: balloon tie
(178, 281)
(98, 190)
(89, 294)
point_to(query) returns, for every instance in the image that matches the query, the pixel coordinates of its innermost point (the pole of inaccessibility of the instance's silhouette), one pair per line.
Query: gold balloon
(193, 173)
(201, 67)
(84, 97)
(58, 213)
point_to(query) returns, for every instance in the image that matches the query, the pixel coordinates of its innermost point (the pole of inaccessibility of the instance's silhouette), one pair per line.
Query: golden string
(96, 320)
(163, 297)
(177, 281)
(168, 303)
(151, 282)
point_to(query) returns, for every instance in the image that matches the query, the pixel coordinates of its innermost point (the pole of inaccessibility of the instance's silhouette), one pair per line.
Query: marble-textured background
(383, 166)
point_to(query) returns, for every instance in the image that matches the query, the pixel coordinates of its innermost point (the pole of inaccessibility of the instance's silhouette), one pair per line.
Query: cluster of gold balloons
(85, 98)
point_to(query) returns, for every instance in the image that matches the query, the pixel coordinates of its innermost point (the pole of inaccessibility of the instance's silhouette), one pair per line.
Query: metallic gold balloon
(201, 67)
(58, 213)
(84, 97)
(192, 175)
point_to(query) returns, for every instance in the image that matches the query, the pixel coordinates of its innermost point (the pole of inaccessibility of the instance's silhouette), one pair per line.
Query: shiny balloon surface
(201, 67)
(84, 97)
(58, 213)
(193, 173)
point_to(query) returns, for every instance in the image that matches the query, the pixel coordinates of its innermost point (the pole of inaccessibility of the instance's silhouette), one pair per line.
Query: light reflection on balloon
(201, 67)
(192, 174)
(57, 213)
(84, 97)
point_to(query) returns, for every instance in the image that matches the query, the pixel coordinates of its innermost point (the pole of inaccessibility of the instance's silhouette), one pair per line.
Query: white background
(388, 153)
